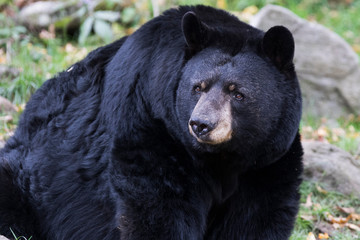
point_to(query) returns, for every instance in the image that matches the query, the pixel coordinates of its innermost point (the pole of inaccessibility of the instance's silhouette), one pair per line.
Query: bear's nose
(200, 127)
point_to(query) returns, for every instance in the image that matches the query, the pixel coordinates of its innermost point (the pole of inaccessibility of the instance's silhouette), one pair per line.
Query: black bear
(186, 129)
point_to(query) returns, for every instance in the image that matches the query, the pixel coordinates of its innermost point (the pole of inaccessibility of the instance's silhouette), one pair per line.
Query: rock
(6, 119)
(44, 13)
(331, 166)
(6, 71)
(327, 67)
(6, 106)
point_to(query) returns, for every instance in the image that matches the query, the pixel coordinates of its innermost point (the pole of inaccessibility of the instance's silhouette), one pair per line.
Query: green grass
(341, 18)
(37, 63)
(343, 132)
(322, 204)
(8, 128)
(20, 237)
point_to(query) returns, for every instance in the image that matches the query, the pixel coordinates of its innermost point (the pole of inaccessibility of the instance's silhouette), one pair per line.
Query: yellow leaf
(2, 56)
(311, 236)
(2, 60)
(346, 210)
(321, 190)
(252, 10)
(338, 220)
(221, 4)
(355, 216)
(356, 48)
(323, 236)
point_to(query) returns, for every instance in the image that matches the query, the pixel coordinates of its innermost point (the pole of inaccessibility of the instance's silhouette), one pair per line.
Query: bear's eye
(238, 96)
(197, 89)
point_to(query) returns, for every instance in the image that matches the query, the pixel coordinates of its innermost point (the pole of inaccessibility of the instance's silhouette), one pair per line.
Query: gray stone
(6, 106)
(327, 67)
(335, 168)
(8, 72)
(43, 13)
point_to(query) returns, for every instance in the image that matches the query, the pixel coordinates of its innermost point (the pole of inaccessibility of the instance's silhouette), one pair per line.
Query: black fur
(103, 150)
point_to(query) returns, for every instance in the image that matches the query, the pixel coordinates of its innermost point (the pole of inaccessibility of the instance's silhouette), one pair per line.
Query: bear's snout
(211, 125)
(200, 127)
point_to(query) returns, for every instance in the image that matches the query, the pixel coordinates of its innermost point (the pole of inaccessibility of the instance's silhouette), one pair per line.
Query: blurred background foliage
(30, 54)
(79, 26)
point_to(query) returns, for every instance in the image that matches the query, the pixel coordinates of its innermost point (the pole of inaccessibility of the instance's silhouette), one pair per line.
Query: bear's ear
(278, 45)
(194, 31)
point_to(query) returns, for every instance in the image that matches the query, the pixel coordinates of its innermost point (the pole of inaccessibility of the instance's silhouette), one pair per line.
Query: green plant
(99, 21)
(19, 238)
(10, 33)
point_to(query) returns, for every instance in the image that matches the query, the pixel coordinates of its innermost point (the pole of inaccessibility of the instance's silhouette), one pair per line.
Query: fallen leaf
(324, 227)
(339, 220)
(353, 227)
(323, 236)
(337, 226)
(311, 236)
(321, 190)
(307, 132)
(307, 217)
(2, 59)
(308, 203)
(322, 133)
(346, 210)
(355, 216)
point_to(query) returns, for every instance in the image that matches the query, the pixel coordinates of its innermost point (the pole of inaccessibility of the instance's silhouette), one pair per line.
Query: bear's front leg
(169, 219)
(258, 219)
(265, 204)
(160, 202)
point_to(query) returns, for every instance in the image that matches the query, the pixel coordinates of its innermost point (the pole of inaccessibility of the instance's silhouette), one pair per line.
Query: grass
(19, 238)
(314, 217)
(7, 127)
(37, 63)
(343, 132)
(341, 18)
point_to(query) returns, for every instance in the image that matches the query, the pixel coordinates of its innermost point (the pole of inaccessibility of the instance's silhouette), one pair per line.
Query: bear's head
(248, 102)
